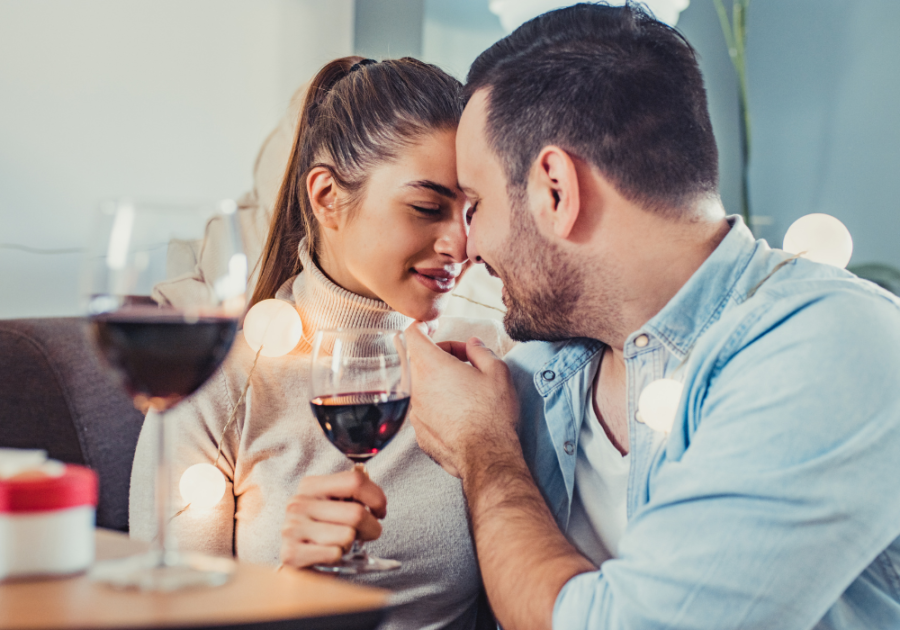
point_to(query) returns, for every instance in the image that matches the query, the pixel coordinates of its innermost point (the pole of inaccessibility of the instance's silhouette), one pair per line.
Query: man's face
(541, 283)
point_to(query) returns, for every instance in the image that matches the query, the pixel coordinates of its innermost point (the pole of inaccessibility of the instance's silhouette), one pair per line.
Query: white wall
(149, 98)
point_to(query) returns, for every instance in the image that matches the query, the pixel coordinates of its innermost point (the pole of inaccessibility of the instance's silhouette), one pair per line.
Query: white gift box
(47, 514)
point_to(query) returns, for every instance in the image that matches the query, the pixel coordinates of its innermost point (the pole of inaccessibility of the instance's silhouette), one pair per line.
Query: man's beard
(542, 284)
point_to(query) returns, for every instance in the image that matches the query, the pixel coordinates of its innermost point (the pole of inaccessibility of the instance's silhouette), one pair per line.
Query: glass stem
(356, 549)
(162, 544)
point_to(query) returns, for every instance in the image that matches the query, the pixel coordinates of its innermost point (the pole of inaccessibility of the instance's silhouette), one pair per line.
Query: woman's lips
(437, 280)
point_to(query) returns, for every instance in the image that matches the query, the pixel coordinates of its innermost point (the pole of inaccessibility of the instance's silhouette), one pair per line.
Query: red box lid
(76, 486)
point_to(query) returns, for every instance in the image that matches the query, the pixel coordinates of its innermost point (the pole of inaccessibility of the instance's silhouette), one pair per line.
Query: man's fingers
(456, 348)
(480, 356)
(422, 349)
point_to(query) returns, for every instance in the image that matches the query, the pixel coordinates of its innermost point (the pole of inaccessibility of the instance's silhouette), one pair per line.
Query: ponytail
(350, 125)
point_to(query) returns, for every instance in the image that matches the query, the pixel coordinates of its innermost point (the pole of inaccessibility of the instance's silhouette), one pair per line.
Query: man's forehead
(474, 115)
(471, 141)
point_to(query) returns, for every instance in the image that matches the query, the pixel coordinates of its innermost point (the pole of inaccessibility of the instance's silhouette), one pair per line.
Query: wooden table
(257, 597)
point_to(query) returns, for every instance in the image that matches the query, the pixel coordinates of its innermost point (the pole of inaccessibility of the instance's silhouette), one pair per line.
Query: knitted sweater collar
(323, 305)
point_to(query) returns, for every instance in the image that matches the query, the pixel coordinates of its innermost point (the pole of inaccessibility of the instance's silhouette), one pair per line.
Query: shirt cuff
(572, 610)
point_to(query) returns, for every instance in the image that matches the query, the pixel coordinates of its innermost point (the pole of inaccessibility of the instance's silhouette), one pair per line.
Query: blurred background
(172, 99)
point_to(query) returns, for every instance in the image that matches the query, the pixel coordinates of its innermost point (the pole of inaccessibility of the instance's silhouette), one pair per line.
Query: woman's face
(405, 241)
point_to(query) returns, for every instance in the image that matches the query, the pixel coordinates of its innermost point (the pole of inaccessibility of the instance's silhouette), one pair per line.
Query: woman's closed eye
(428, 211)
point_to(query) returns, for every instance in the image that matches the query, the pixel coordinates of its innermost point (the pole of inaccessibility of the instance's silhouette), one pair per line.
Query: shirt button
(569, 447)
(548, 375)
(641, 341)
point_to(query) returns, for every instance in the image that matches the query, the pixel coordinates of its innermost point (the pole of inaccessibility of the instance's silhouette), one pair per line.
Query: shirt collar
(700, 302)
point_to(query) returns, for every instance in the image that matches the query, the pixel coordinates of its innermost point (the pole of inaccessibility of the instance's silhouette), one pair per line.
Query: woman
(369, 231)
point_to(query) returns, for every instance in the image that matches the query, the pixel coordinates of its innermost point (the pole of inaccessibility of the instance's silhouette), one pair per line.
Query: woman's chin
(425, 311)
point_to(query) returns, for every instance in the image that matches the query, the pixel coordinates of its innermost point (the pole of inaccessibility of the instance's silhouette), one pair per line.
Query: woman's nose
(452, 241)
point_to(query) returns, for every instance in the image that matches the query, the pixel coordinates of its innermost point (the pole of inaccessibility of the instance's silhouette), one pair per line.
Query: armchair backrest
(56, 395)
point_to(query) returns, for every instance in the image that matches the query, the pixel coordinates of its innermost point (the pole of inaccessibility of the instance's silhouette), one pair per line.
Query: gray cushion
(55, 394)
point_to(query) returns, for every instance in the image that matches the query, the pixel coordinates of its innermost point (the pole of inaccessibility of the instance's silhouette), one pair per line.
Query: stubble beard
(545, 292)
(541, 284)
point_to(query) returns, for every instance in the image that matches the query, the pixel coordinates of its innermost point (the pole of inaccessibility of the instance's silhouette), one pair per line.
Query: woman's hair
(357, 115)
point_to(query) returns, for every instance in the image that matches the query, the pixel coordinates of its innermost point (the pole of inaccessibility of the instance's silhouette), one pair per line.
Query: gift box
(47, 512)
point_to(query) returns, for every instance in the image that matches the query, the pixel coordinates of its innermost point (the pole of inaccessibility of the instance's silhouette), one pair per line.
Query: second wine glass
(163, 343)
(359, 393)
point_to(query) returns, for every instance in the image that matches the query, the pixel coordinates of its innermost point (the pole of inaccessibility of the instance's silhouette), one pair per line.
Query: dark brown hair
(610, 85)
(357, 114)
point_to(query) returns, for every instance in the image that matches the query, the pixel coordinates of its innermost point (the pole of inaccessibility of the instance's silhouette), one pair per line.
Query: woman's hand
(327, 514)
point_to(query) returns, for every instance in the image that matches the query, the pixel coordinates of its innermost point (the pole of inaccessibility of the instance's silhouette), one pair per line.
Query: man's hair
(610, 85)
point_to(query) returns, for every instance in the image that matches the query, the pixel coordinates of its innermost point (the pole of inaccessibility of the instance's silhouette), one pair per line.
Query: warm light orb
(202, 485)
(659, 402)
(275, 325)
(821, 238)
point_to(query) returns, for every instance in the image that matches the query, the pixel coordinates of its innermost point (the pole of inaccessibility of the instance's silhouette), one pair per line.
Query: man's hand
(461, 413)
(327, 514)
(465, 417)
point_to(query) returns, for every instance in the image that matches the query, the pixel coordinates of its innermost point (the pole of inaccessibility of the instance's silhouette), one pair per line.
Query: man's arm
(774, 498)
(525, 560)
(508, 517)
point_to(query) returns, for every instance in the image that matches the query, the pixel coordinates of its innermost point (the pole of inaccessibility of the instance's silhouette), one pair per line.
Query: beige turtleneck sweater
(275, 441)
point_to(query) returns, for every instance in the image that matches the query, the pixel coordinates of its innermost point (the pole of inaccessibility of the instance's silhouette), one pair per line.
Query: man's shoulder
(808, 319)
(840, 304)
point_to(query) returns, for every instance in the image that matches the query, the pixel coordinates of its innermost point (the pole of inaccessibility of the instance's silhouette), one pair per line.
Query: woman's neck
(323, 304)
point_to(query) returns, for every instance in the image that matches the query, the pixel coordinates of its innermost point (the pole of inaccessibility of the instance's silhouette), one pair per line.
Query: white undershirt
(599, 502)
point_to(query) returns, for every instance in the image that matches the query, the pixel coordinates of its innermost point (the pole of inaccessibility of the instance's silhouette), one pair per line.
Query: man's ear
(555, 188)
(323, 193)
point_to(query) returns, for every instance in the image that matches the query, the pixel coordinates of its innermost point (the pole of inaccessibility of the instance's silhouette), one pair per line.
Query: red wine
(163, 355)
(360, 425)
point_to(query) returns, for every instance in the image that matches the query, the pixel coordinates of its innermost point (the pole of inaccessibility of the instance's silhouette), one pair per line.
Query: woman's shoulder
(490, 331)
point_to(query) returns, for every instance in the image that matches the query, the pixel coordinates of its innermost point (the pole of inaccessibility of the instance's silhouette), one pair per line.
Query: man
(773, 501)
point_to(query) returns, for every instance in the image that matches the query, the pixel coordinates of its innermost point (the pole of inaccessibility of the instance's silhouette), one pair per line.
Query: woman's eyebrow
(434, 186)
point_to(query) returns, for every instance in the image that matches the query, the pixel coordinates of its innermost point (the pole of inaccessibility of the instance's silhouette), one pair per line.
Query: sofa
(56, 395)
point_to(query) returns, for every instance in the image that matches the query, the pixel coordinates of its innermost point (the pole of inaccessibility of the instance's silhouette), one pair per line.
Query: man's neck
(653, 258)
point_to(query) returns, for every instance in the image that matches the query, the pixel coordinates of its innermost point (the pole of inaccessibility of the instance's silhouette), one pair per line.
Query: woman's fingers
(321, 530)
(301, 555)
(335, 513)
(352, 484)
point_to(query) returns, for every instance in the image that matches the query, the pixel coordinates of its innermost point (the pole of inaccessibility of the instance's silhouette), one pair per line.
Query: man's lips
(438, 280)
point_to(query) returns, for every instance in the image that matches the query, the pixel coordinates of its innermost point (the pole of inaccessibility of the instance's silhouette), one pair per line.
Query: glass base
(148, 571)
(354, 563)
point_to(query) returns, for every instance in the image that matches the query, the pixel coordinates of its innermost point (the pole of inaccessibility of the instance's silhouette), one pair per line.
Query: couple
(586, 153)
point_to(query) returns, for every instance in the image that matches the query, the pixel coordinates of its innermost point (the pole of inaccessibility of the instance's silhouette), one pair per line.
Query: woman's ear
(554, 183)
(323, 191)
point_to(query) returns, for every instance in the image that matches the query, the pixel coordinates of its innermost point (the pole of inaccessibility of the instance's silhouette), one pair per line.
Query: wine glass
(359, 393)
(163, 340)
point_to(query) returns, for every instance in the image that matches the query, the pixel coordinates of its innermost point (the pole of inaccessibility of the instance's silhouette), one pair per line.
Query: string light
(202, 486)
(272, 328)
(820, 238)
(817, 237)
(658, 404)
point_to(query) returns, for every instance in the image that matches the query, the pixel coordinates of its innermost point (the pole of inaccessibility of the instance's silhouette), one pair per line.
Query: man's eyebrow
(438, 188)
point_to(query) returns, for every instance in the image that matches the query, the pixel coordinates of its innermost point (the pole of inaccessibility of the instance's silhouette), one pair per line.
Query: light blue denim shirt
(775, 500)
